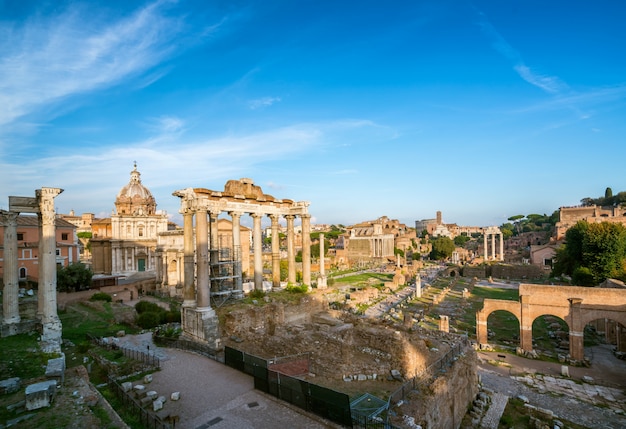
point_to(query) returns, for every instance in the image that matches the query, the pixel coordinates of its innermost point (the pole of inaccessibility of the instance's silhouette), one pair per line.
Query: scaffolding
(225, 274)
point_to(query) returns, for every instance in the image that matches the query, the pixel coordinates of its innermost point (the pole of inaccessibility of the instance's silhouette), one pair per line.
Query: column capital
(305, 216)
(256, 215)
(8, 218)
(234, 214)
(290, 216)
(273, 216)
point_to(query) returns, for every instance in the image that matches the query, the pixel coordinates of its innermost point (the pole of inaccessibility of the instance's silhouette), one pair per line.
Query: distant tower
(439, 222)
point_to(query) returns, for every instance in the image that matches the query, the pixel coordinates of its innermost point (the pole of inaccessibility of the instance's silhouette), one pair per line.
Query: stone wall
(444, 402)
(503, 271)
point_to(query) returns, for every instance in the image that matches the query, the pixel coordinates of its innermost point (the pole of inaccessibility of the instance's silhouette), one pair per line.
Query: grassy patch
(20, 356)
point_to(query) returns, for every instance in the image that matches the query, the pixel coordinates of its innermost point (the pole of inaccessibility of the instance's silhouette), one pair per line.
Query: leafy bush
(256, 293)
(297, 289)
(149, 320)
(100, 296)
(145, 306)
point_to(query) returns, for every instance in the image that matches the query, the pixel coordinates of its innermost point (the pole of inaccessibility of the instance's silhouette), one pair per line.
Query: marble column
(493, 247)
(51, 324)
(214, 256)
(236, 256)
(275, 251)
(321, 280)
(202, 253)
(501, 247)
(485, 245)
(257, 241)
(189, 288)
(306, 249)
(291, 254)
(10, 299)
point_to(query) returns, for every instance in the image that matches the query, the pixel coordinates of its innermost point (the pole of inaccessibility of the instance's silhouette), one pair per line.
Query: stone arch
(172, 272)
(564, 320)
(489, 306)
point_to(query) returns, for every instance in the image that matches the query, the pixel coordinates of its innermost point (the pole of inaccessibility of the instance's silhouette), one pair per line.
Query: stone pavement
(491, 419)
(213, 395)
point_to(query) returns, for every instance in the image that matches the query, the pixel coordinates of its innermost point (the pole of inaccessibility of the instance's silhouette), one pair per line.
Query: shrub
(256, 293)
(147, 306)
(297, 289)
(149, 319)
(100, 296)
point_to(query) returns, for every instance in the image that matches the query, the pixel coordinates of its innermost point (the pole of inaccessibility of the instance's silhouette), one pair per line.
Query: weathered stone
(40, 394)
(157, 405)
(147, 378)
(10, 385)
(175, 396)
(55, 369)
(564, 370)
(152, 394)
(127, 386)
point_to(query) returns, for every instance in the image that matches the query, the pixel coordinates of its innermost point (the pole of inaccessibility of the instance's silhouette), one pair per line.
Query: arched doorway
(550, 335)
(503, 328)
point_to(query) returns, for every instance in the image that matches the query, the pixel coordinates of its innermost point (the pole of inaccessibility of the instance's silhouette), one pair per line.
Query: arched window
(22, 272)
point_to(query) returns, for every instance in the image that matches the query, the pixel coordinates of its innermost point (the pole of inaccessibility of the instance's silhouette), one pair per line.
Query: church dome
(135, 198)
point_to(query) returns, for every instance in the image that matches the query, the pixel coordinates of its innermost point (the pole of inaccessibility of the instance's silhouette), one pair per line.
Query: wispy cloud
(49, 58)
(263, 102)
(549, 84)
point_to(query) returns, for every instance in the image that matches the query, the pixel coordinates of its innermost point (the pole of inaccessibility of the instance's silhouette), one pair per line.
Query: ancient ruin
(577, 306)
(42, 205)
(205, 271)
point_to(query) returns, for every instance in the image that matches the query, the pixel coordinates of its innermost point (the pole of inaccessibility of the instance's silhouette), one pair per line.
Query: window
(20, 236)
(141, 231)
(64, 236)
(27, 254)
(22, 273)
(58, 252)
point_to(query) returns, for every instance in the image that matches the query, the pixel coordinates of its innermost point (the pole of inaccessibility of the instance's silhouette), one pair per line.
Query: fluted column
(501, 247)
(189, 288)
(236, 222)
(322, 267)
(291, 255)
(257, 241)
(10, 303)
(202, 253)
(51, 324)
(275, 251)
(493, 247)
(306, 249)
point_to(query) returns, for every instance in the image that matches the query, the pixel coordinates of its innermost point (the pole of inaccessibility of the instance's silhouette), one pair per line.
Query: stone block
(10, 385)
(139, 387)
(147, 379)
(157, 405)
(145, 402)
(564, 370)
(40, 394)
(152, 394)
(162, 398)
(127, 386)
(55, 369)
(175, 396)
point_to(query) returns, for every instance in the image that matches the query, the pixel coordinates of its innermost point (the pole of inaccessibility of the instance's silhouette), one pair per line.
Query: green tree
(442, 248)
(73, 278)
(460, 240)
(592, 253)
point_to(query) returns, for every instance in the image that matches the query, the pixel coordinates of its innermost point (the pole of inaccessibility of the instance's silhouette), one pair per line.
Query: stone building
(125, 243)
(366, 243)
(437, 228)
(568, 216)
(28, 236)
(83, 225)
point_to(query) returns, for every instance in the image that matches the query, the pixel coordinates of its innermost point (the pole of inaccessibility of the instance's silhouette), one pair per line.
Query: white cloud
(50, 58)
(263, 102)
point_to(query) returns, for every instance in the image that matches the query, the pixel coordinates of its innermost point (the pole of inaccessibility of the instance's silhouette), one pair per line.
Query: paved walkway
(215, 396)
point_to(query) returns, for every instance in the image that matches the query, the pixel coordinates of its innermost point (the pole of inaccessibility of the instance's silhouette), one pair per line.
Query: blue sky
(482, 110)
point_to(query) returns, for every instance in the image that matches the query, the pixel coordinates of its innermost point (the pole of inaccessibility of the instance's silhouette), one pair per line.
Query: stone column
(214, 256)
(444, 323)
(321, 280)
(51, 324)
(291, 255)
(485, 245)
(501, 247)
(275, 252)
(257, 241)
(306, 249)
(189, 288)
(576, 333)
(10, 300)
(525, 324)
(236, 222)
(202, 254)
(493, 247)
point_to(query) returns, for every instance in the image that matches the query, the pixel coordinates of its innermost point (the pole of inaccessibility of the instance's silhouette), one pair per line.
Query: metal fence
(147, 418)
(324, 402)
(149, 359)
(188, 345)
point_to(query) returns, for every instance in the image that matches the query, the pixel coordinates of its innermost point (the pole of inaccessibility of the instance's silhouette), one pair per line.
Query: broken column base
(202, 325)
(51, 337)
(322, 282)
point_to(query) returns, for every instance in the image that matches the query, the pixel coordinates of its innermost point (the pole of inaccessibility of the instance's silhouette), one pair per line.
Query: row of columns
(43, 206)
(493, 245)
(198, 294)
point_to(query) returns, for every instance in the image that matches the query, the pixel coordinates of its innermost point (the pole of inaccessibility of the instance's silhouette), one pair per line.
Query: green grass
(20, 356)
(80, 320)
